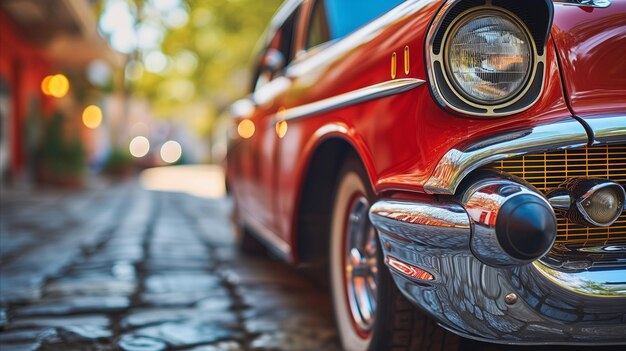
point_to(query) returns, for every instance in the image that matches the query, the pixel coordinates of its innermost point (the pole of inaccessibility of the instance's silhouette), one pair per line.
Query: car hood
(591, 44)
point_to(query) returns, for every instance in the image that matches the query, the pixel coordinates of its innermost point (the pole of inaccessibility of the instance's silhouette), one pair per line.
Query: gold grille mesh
(547, 171)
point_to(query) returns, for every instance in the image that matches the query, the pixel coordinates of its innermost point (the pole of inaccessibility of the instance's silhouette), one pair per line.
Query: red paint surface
(591, 44)
(399, 138)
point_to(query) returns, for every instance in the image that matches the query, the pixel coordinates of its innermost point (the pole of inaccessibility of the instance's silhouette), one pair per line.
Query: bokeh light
(118, 23)
(139, 146)
(92, 116)
(246, 129)
(58, 85)
(149, 34)
(182, 90)
(185, 62)
(171, 151)
(155, 62)
(176, 18)
(44, 85)
(281, 129)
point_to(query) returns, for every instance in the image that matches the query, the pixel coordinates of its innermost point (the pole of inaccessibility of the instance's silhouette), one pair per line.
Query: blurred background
(109, 87)
(114, 227)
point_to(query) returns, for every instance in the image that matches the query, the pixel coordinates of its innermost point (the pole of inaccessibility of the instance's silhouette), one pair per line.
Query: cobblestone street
(127, 268)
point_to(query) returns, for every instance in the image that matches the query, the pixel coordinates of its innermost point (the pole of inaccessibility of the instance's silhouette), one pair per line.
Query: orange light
(246, 129)
(45, 83)
(407, 269)
(393, 65)
(92, 116)
(58, 86)
(281, 129)
(407, 63)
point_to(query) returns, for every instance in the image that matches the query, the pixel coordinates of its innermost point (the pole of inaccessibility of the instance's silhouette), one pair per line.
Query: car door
(270, 84)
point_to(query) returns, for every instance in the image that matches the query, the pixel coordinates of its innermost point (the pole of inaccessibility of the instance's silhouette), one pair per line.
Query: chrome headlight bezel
(453, 12)
(453, 82)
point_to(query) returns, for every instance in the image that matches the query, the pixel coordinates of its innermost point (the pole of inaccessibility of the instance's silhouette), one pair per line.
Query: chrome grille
(547, 171)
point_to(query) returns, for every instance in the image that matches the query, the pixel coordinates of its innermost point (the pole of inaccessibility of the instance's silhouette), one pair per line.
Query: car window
(318, 32)
(287, 34)
(283, 41)
(333, 19)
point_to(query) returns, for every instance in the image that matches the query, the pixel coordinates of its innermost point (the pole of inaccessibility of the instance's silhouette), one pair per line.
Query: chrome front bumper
(532, 303)
(528, 304)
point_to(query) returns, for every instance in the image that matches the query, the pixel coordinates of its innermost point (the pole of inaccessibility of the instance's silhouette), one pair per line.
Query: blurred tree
(61, 156)
(192, 58)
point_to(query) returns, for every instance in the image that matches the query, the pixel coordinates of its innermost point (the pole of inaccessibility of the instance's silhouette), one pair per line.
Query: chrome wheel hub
(361, 265)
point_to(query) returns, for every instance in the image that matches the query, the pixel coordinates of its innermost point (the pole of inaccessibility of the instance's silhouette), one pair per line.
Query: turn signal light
(590, 201)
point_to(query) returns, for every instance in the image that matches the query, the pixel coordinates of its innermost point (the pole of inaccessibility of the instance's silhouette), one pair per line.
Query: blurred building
(40, 38)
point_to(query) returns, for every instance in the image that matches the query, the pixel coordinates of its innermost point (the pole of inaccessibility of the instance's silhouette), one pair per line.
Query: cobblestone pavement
(124, 268)
(131, 269)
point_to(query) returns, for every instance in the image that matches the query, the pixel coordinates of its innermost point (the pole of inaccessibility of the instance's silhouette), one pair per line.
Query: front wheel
(370, 311)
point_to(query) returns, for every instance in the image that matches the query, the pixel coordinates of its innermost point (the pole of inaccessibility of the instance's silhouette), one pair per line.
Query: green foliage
(119, 163)
(221, 35)
(58, 156)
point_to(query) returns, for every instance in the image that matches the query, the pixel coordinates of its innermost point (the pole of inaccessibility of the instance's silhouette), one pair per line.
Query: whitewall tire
(370, 312)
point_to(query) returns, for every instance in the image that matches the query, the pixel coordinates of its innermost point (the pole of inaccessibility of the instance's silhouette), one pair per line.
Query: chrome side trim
(584, 3)
(354, 97)
(607, 130)
(456, 164)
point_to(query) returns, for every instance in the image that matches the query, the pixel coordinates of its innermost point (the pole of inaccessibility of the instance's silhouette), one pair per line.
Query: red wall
(23, 66)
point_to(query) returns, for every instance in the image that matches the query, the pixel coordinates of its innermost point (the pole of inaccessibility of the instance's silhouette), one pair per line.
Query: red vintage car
(465, 157)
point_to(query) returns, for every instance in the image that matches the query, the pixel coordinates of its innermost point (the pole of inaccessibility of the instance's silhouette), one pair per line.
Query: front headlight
(489, 57)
